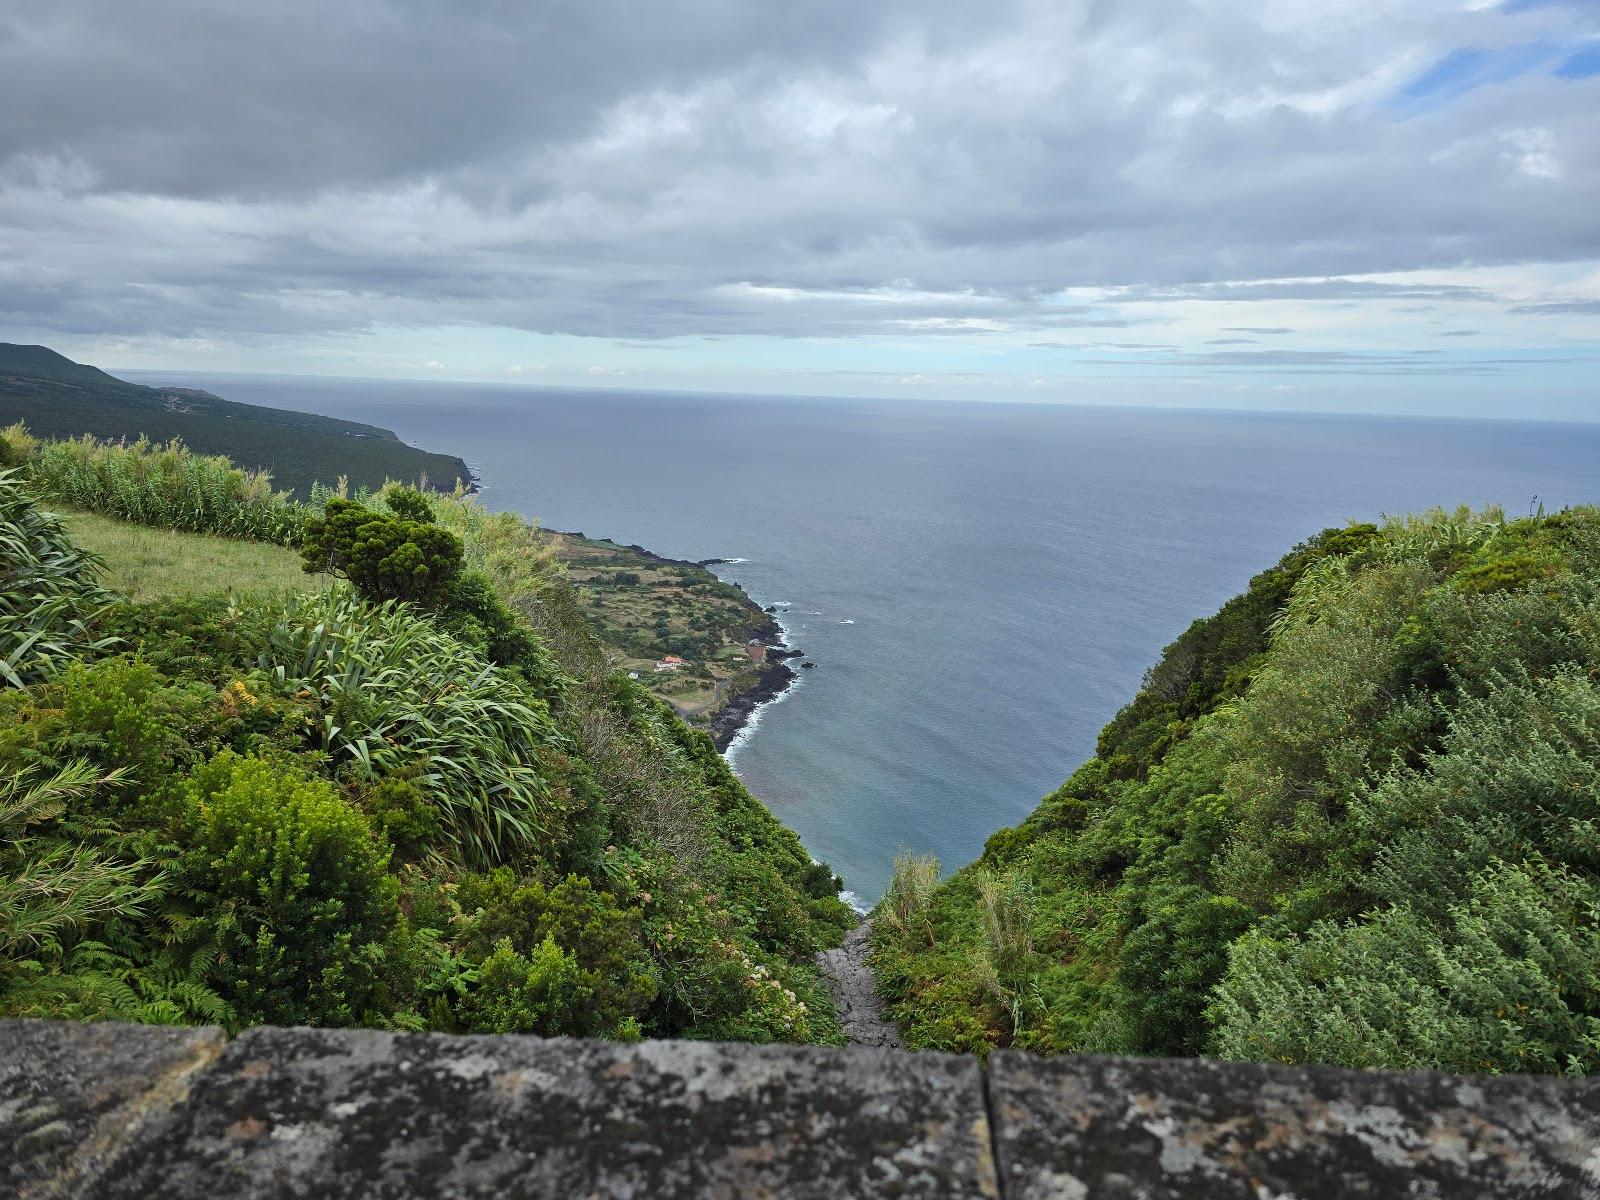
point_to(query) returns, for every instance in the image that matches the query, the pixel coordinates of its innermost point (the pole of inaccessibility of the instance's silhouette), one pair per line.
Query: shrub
(50, 603)
(165, 486)
(299, 902)
(397, 555)
(571, 954)
(907, 908)
(395, 695)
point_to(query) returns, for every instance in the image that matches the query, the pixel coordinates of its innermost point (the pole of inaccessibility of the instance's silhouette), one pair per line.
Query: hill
(415, 798)
(1350, 818)
(58, 398)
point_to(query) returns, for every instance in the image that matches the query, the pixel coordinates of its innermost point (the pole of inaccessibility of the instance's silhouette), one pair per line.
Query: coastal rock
(771, 681)
(354, 1113)
(806, 666)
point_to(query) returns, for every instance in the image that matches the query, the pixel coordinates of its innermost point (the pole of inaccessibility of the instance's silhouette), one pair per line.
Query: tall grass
(164, 486)
(395, 694)
(907, 908)
(49, 597)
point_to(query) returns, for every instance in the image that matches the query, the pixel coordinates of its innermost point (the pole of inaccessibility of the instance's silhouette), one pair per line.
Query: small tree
(398, 555)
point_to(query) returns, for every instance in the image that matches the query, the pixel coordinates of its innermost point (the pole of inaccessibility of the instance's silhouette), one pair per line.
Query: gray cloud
(636, 172)
(1560, 308)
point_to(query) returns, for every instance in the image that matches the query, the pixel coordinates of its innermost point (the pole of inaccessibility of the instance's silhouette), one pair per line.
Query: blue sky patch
(1584, 63)
(1463, 71)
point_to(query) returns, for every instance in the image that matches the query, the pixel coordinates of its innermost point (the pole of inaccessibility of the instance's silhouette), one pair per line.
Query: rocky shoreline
(772, 678)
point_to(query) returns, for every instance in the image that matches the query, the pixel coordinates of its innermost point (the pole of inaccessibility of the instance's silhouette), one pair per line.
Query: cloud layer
(299, 174)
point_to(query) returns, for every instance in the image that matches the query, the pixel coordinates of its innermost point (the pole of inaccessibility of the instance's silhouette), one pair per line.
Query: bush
(50, 603)
(394, 695)
(560, 960)
(297, 897)
(165, 486)
(398, 555)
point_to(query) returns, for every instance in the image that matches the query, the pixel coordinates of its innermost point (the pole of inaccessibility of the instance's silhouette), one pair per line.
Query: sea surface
(981, 585)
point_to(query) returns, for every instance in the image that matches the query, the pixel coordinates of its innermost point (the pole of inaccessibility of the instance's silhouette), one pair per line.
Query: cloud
(1559, 308)
(296, 174)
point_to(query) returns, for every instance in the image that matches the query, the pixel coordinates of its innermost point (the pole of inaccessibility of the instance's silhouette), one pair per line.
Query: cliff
(58, 398)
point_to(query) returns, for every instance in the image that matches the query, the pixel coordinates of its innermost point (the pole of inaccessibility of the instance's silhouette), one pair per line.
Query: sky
(1391, 205)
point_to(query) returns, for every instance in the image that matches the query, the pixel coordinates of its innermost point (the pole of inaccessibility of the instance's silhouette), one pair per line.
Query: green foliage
(50, 603)
(301, 906)
(393, 694)
(286, 802)
(1503, 980)
(61, 399)
(1350, 819)
(396, 555)
(560, 960)
(165, 486)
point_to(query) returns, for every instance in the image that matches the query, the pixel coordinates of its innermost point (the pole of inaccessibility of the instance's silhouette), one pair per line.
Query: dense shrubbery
(1351, 818)
(50, 603)
(164, 486)
(435, 810)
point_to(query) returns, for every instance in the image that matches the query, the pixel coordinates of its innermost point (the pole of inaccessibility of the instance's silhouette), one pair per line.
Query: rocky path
(855, 990)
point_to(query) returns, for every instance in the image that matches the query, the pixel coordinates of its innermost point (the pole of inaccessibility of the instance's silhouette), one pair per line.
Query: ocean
(981, 585)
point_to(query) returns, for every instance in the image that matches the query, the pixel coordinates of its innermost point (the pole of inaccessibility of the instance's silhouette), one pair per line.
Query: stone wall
(111, 1111)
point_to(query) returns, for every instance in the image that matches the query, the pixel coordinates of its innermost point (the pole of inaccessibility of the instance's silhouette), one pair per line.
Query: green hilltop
(58, 398)
(359, 761)
(1352, 818)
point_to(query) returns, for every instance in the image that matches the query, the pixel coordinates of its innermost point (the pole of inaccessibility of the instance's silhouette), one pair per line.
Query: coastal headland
(701, 643)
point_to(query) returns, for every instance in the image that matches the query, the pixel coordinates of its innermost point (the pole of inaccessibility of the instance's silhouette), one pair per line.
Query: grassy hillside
(58, 398)
(417, 798)
(1354, 818)
(645, 607)
(149, 564)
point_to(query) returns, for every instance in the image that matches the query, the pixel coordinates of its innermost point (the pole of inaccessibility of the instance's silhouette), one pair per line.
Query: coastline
(741, 710)
(772, 680)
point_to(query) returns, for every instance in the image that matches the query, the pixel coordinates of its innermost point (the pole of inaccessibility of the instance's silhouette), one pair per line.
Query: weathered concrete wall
(108, 1111)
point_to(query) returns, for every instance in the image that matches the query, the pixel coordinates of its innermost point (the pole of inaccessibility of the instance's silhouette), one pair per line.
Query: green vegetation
(639, 607)
(146, 564)
(61, 399)
(644, 608)
(369, 802)
(1351, 818)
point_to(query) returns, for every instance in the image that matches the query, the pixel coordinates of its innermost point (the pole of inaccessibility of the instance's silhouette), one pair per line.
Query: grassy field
(646, 607)
(147, 563)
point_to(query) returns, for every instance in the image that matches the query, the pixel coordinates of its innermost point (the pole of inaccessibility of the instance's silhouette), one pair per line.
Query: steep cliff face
(1350, 818)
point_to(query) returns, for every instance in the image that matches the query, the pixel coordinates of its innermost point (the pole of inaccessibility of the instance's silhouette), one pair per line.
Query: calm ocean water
(981, 585)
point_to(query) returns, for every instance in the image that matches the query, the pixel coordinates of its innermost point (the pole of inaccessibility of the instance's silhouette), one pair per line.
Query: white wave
(846, 621)
(855, 902)
(753, 721)
(731, 561)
